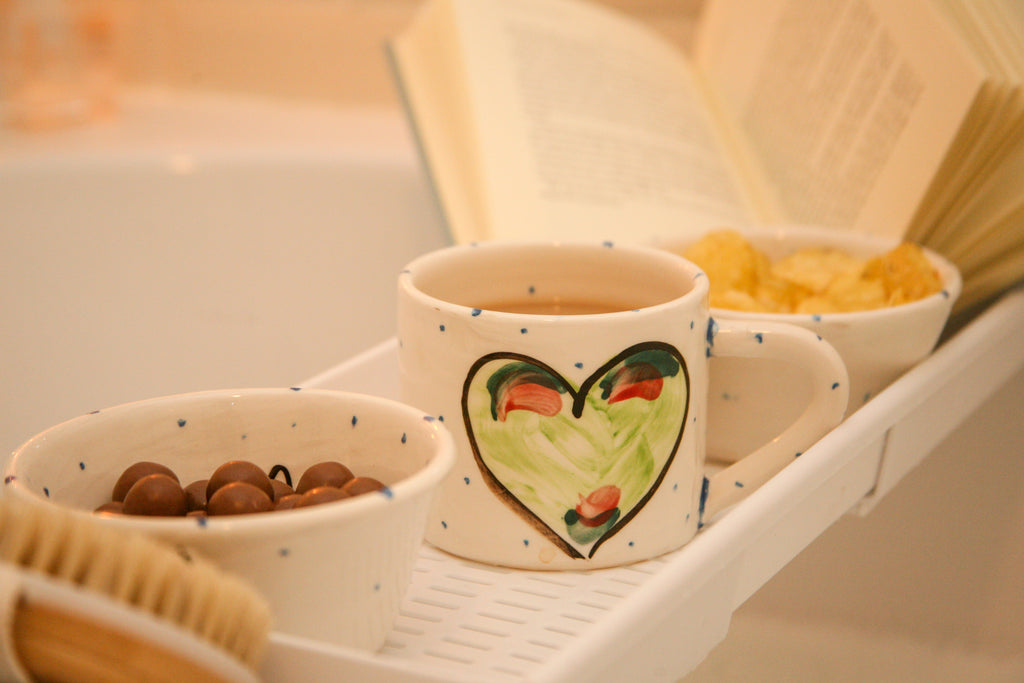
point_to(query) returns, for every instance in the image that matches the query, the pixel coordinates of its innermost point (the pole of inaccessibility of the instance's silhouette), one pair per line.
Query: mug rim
(696, 279)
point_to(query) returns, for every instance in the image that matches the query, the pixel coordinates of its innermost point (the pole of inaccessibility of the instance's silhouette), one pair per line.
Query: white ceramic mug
(574, 377)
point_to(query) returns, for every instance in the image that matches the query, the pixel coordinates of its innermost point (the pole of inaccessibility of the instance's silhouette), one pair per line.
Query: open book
(566, 119)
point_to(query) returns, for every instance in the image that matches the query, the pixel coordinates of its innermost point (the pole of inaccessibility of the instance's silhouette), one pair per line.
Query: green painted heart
(577, 463)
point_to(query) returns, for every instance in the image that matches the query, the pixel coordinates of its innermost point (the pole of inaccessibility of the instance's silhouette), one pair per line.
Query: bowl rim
(952, 282)
(419, 483)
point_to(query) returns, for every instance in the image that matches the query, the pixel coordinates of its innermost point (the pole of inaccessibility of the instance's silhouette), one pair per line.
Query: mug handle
(827, 407)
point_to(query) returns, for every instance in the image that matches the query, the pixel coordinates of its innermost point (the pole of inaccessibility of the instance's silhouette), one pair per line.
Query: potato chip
(850, 291)
(811, 280)
(814, 269)
(730, 262)
(906, 274)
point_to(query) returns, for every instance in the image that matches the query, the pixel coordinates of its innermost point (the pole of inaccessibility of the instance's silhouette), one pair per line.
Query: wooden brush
(140, 580)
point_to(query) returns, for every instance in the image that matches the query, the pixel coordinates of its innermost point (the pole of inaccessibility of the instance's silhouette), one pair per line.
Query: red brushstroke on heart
(599, 504)
(529, 396)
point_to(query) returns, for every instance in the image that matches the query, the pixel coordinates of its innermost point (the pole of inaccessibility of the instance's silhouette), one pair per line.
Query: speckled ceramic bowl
(877, 346)
(335, 572)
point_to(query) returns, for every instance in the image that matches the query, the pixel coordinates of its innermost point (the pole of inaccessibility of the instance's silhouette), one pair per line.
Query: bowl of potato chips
(881, 303)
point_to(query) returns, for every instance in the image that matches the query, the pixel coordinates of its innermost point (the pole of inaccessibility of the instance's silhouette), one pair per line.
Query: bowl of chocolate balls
(318, 498)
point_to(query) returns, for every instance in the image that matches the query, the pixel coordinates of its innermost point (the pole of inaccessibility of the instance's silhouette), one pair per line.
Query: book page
(431, 81)
(848, 107)
(590, 127)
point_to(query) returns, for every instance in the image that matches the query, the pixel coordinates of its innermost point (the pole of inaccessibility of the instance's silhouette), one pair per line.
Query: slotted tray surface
(656, 620)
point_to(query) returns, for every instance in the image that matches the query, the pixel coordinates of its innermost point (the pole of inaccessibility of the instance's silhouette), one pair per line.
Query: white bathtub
(203, 242)
(198, 242)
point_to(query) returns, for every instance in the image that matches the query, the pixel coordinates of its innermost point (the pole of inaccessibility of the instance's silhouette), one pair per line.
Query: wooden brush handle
(57, 646)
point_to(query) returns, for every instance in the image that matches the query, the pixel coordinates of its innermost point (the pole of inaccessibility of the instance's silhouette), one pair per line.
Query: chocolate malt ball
(135, 472)
(287, 502)
(320, 495)
(196, 495)
(112, 508)
(156, 495)
(281, 489)
(329, 473)
(239, 471)
(238, 498)
(359, 485)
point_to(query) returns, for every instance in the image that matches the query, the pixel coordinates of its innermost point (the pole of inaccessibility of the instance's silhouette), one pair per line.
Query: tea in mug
(554, 306)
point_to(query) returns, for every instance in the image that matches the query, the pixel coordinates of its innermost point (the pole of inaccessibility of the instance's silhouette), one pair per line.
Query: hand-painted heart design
(577, 464)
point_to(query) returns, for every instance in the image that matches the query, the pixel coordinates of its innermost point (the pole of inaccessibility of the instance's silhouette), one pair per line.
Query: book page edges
(438, 109)
(733, 46)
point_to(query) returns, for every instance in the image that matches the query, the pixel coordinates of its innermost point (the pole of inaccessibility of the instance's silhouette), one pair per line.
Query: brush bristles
(138, 571)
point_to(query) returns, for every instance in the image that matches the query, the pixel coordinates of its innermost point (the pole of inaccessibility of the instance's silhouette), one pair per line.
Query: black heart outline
(579, 401)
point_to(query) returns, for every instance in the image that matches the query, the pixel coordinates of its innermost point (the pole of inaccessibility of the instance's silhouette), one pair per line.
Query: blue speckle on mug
(46, 490)
(182, 422)
(296, 388)
(475, 312)
(711, 332)
(405, 437)
(283, 552)
(522, 330)
(442, 327)
(835, 385)
(355, 419)
(81, 465)
(608, 243)
(738, 484)
(444, 524)
(816, 318)
(579, 365)
(798, 454)
(466, 480)
(526, 541)
(704, 484)
(759, 337)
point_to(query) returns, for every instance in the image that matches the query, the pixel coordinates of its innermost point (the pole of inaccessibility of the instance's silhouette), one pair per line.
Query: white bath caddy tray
(656, 620)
